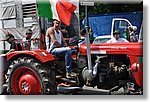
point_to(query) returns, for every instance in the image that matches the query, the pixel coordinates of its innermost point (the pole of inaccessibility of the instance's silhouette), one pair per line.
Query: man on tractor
(14, 45)
(56, 45)
(116, 38)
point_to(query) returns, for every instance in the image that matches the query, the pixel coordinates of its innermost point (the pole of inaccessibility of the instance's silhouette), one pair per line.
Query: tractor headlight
(135, 67)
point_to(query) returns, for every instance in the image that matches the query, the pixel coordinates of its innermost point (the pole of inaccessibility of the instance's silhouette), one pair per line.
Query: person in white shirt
(27, 39)
(116, 38)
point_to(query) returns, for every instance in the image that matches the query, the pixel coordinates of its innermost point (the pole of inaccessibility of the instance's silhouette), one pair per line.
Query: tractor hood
(131, 49)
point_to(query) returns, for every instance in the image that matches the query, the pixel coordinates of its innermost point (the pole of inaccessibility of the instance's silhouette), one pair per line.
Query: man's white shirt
(113, 40)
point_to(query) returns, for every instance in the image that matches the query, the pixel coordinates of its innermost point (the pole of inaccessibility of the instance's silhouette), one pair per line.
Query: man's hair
(116, 32)
(53, 21)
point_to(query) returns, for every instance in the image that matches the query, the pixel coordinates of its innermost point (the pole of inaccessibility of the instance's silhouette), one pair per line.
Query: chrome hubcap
(25, 86)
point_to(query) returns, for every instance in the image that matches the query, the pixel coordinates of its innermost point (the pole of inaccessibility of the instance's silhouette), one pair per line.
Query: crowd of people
(16, 45)
(128, 35)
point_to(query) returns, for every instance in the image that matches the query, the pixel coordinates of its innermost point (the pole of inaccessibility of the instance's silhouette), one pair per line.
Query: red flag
(65, 10)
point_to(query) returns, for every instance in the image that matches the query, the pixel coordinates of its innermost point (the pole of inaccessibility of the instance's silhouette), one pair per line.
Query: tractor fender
(41, 55)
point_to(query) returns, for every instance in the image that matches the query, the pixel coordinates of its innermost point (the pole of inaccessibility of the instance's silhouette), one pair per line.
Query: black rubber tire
(45, 75)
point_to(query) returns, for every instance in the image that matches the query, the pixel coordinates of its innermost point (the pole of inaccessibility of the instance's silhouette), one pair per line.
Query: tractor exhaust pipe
(88, 43)
(89, 73)
(96, 65)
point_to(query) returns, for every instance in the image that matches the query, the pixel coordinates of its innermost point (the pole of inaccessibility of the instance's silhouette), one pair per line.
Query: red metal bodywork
(138, 75)
(41, 55)
(132, 50)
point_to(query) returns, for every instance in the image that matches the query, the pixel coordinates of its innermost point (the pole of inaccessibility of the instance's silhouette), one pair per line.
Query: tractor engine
(112, 71)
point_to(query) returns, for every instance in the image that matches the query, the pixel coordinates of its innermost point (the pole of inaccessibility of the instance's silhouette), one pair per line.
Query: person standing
(27, 39)
(132, 35)
(82, 37)
(126, 34)
(91, 35)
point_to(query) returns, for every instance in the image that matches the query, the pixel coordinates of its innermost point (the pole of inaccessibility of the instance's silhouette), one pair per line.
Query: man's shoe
(73, 74)
(70, 74)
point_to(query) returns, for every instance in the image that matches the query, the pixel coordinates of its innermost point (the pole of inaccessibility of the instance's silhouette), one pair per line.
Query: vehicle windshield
(100, 40)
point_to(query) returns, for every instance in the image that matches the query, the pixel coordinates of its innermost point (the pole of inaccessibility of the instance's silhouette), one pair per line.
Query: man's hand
(2, 55)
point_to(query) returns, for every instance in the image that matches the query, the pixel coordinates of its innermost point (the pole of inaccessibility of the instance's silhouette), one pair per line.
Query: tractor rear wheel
(27, 76)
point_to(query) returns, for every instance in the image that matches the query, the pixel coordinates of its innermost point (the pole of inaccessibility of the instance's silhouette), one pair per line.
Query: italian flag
(56, 9)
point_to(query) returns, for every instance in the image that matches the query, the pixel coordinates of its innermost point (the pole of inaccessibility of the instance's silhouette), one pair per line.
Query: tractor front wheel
(27, 76)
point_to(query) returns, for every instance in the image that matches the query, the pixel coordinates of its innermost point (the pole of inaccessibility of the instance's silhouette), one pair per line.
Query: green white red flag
(56, 9)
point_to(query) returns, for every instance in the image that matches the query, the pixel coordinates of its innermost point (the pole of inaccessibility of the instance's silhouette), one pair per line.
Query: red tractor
(107, 66)
(113, 66)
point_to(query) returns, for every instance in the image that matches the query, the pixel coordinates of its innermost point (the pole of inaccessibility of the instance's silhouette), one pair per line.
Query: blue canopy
(101, 24)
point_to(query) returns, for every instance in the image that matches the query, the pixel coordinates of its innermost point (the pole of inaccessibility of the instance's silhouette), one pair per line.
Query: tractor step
(68, 89)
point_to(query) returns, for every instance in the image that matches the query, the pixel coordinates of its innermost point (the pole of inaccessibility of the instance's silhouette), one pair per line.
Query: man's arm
(53, 38)
(12, 48)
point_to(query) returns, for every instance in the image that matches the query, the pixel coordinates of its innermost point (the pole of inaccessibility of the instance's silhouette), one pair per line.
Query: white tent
(15, 17)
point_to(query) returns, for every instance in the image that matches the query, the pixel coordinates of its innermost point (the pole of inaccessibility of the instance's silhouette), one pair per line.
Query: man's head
(56, 23)
(82, 32)
(28, 34)
(116, 34)
(9, 37)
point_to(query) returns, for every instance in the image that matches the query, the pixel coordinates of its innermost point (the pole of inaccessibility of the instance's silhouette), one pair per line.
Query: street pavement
(95, 91)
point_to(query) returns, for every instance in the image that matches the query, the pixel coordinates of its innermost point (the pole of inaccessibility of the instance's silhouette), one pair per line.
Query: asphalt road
(84, 91)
